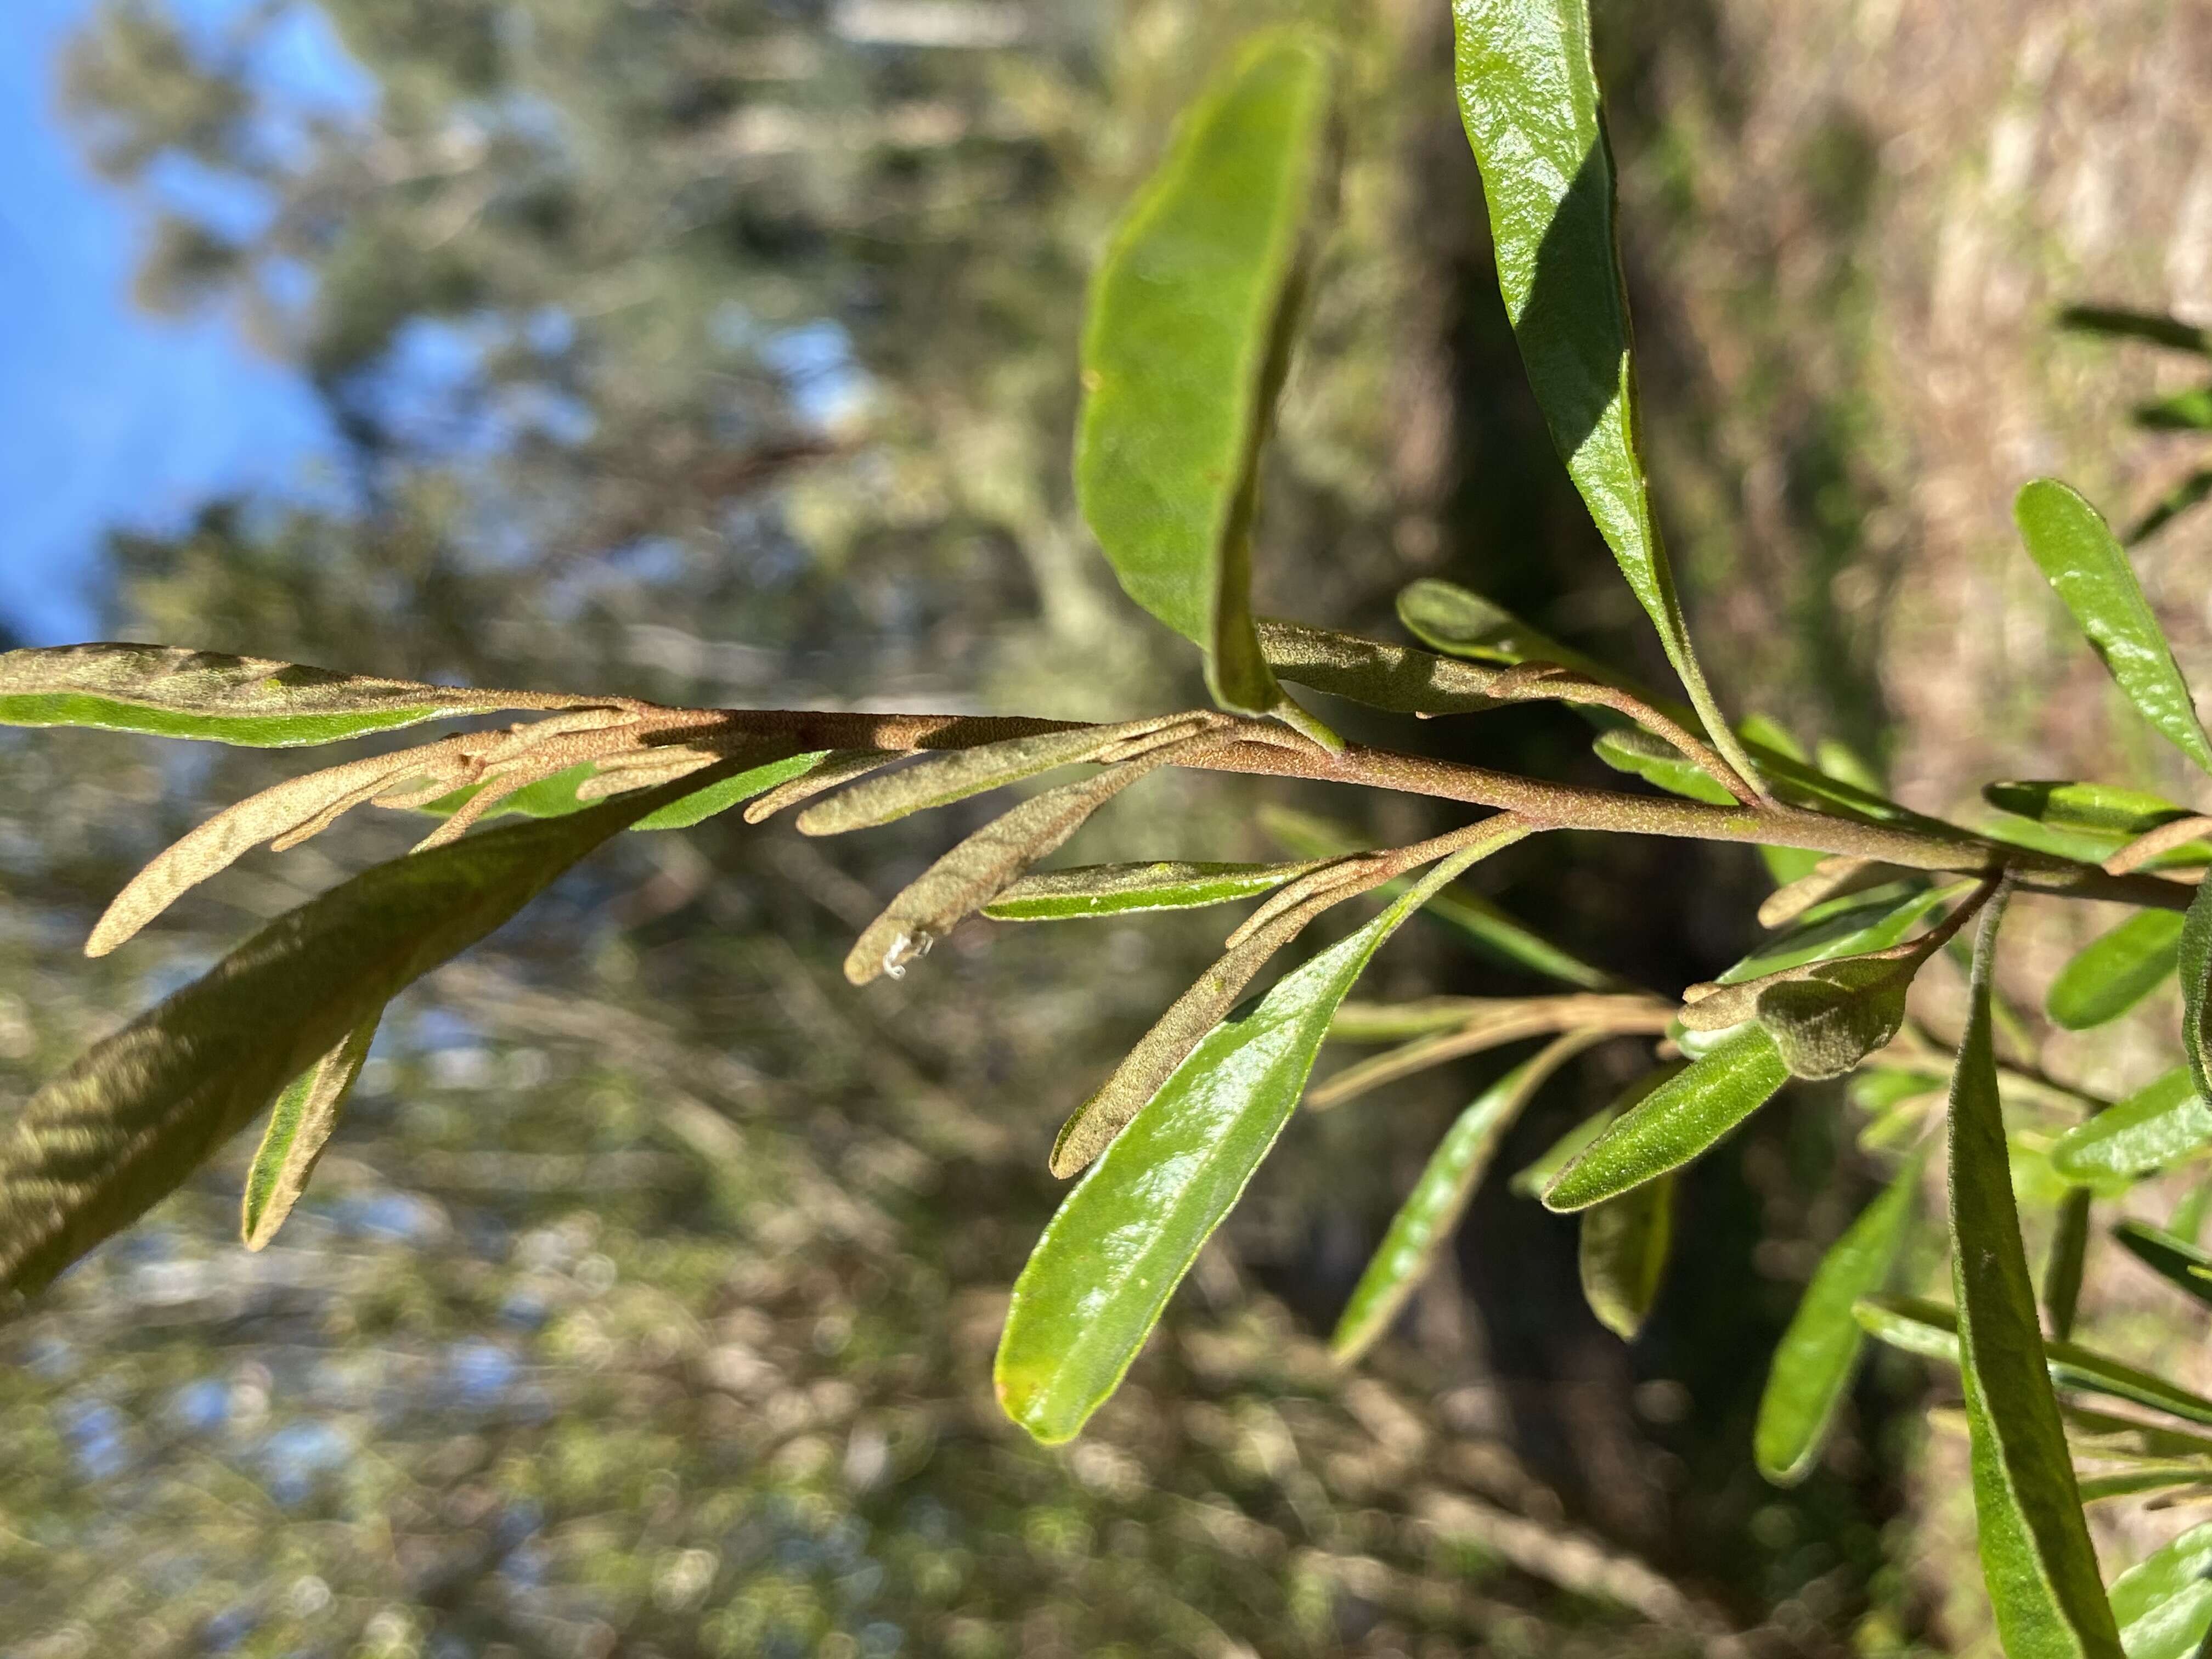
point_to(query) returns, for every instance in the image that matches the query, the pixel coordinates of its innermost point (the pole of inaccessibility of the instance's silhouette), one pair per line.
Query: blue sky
(109, 416)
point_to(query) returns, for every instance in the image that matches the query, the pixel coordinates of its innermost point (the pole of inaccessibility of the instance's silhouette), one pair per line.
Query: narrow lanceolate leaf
(2163, 1604)
(1095, 1285)
(1192, 318)
(171, 692)
(2161, 1124)
(707, 800)
(1675, 1122)
(2185, 411)
(1146, 1068)
(2176, 1260)
(2061, 1269)
(300, 1126)
(2193, 491)
(2072, 545)
(2101, 808)
(831, 768)
(131, 1121)
(937, 780)
(1118, 890)
(2155, 327)
(1528, 96)
(1493, 1023)
(1431, 1211)
(1814, 1363)
(979, 869)
(1623, 1254)
(1931, 1330)
(2194, 965)
(1638, 753)
(2116, 971)
(574, 787)
(1449, 619)
(231, 834)
(2036, 1556)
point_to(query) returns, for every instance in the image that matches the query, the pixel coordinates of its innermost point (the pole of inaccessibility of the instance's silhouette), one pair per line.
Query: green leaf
(1528, 98)
(1192, 317)
(2191, 491)
(2163, 1604)
(2062, 1269)
(1831, 1017)
(167, 691)
(2036, 1556)
(1931, 1331)
(2176, 1260)
(1495, 932)
(2185, 411)
(300, 1126)
(2120, 323)
(1857, 925)
(2194, 966)
(129, 1120)
(2073, 547)
(1880, 1088)
(1115, 889)
(2186, 1223)
(2117, 971)
(554, 796)
(1447, 617)
(2101, 808)
(1814, 1363)
(1675, 1122)
(1622, 1255)
(1626, 749)
(1530, 1180)
(1095, 1284)
(1431, 1211)
(2161, 1124)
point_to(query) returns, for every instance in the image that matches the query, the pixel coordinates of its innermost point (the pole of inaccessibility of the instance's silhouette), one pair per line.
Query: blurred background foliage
(720, 351)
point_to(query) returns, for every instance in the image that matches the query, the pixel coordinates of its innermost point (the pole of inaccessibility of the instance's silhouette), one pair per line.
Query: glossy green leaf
(170, 692)
(1622, 1255)
(1188, 336)
(553, 797)
(2118, 322)
(2073, 547)
(2037, 1559)
(2062, 1269)
(2161, 1123)
(1930, 1329)
(1675, 1122)
(1529, 99)
(2116, 971)
(2178, 1261)
(2163, 1604)
(2195, 967)
(1626, 749)
(1498, 934)
(130, 1119)
(1813, 1365)
(300, 1126)
(2101, 808)
(1431, 1211)
(1094, 1287)
(1115, 889)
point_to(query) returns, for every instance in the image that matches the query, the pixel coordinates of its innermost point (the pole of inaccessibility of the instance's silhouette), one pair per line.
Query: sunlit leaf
(2070, 544)
(1930, 1329)
(553, 796)
(1622, 1255)
(2117, 971)
(2037, 1559)
(1812, 1364)
(171, 692)
(2163, 1604)
(1192, 318)
(1528, 98)
(1854, 926)
(129, 1121)
(300, 1126)
(1095, 1284)
(2161, 1123)
(1626, 749)
(1114, 889)
(1431, 1211)
(2176, 1261)
(1448, 618)
(1675, 1122)
(2102, 808)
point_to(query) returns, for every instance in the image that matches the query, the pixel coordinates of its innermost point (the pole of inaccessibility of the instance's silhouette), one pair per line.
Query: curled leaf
(1447, 1185)
(300, 1126)
(1495, 1022)
(831, 768)
(1448, 618)
(1114, 889)
(1623, 1254)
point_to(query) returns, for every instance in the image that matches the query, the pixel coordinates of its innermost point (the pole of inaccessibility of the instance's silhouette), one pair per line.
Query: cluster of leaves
(1194, 321)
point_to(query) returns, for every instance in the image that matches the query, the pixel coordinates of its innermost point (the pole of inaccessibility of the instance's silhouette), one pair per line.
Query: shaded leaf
(2062, 1269)
(167, 691)
(2185, 411)
(1094, 1287)
(300, 1126)
(129, 1121)
(1188, 336)
(1392, 677)
(2037, 1559)
(2163, 1604)
(1675, 1122)
(1826, 1019)
(2119, 322)
(1622, 1255)
(2072, 546)
(1857, 925)
(2161, 1123)
(1530, 1180)
(2115, 972)
(1528, 98)
(2194, 964)
(832, 767)
(1431, 1211)
(1113, 890)
(2191, 491)
(1448, 618)
(1495, 1022)
(2178, 1261)
(1626, 749)
(1880, 1088)
(1813, 1365)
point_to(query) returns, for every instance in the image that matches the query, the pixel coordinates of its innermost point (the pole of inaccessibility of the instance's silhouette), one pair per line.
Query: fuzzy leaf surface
(300, 1126)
